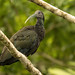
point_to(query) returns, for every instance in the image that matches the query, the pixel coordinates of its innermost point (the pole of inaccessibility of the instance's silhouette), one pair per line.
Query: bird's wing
(23, 41)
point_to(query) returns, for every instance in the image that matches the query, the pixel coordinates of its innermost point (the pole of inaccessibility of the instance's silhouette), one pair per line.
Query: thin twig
(58, 62)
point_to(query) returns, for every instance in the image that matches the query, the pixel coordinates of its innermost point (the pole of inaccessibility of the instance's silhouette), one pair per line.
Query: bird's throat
(40, 22)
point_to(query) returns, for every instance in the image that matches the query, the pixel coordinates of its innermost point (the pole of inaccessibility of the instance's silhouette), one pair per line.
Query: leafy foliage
(59, 41)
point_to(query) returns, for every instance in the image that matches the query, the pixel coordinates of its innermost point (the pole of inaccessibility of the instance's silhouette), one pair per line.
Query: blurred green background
(56, 54)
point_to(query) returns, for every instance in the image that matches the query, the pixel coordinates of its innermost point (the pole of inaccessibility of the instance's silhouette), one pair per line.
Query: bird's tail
(1, 64)
(8, 61)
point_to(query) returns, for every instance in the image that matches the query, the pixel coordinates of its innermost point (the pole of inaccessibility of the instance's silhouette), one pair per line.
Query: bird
(26, 40)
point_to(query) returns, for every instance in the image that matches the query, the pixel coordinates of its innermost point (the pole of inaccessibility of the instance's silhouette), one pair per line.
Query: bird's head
(37, 14)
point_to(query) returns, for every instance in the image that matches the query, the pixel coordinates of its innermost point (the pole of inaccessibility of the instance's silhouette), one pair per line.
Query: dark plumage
(25, 40)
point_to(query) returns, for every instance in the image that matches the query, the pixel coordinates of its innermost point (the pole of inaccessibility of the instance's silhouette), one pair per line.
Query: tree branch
(54, 10)
(27, 64)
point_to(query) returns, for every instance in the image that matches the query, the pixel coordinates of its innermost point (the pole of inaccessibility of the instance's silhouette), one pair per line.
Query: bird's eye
(39, 12)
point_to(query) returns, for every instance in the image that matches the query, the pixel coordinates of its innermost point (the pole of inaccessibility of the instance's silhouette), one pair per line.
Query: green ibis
(26, 40)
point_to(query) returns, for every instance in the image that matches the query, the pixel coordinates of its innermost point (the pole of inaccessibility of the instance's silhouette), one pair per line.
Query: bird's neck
(39, 28)
(39, 22)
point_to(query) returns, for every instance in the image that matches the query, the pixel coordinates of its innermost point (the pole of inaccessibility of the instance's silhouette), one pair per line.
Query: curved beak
(30, 17)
